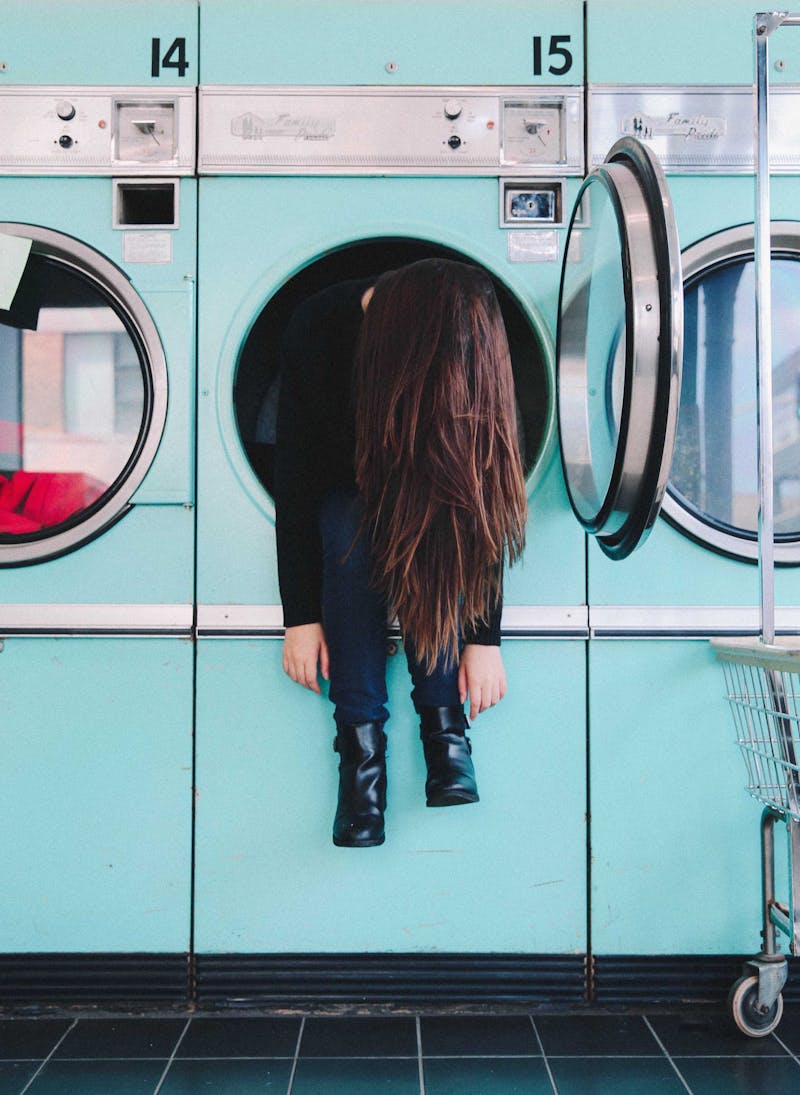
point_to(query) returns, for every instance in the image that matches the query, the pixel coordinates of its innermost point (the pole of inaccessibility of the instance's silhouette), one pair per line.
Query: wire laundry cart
(763, 687)
(763, 675)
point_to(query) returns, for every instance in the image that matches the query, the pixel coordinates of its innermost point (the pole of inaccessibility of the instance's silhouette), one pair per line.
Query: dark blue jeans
(354, 616)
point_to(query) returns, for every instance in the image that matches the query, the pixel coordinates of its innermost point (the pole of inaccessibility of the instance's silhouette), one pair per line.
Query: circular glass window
(592, 375)
(258, 369)
(714, 490)
(78, 355)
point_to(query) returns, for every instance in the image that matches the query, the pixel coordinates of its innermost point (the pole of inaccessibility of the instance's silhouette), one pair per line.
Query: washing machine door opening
(82, 398)
(619, 348)
(257, 377)
(713, 493)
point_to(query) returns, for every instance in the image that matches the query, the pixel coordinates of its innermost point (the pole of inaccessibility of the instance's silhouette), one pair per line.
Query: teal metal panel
(97, 41)
(681, 42)
(670, 569)
(144, 558)
(354, 41)
(675, 838)
(171, 475)
(551, 570)
(96, 789)
(504, 875)
(82, 208)
(249, 247)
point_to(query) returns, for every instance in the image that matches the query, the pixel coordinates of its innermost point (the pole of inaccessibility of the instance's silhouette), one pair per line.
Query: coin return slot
(530, 205)
(144, 204)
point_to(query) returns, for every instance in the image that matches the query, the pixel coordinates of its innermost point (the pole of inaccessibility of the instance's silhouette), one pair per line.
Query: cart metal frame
(763, 687)
(763, 675)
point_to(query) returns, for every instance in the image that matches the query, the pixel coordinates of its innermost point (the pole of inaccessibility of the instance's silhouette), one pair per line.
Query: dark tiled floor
(540, 1054)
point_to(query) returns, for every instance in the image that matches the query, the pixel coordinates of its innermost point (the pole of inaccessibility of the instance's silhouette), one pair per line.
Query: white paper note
(14, 251)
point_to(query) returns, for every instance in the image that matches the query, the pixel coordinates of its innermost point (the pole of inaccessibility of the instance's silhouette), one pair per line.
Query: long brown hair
(437, 455)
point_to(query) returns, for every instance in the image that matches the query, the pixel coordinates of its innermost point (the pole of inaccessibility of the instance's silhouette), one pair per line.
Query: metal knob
(65, 110)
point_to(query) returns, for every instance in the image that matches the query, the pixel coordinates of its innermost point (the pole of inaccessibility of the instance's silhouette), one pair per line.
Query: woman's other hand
(481, 677)
(305, 650)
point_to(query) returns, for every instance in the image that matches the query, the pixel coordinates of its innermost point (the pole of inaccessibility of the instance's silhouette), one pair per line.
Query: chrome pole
(765, 23)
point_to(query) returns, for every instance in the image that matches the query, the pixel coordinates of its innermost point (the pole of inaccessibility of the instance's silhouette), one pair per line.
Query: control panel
(97, 131)
(696, 130)
(479, 131)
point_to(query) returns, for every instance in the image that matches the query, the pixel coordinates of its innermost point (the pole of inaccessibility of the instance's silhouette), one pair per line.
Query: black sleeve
(488, 633)
(299, 464)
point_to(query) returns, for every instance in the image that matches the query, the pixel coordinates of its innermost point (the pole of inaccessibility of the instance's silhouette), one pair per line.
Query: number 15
(556, 50)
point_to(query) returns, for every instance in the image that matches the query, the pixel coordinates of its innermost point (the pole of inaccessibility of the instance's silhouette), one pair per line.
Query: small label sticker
(147, 247)
(14, 251)
(541, 246)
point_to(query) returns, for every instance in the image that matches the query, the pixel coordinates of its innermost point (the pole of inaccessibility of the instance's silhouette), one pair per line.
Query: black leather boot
(451, 776)
(362, 785)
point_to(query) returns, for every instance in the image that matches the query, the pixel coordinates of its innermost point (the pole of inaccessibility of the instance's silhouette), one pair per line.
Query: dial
(65, 110)
(452, 109)
(533, 132)
(146, 132)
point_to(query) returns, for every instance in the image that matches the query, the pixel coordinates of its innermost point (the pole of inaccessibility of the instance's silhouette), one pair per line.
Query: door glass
(257, 380)
(72, 400)
(592, 352)
(715, 467)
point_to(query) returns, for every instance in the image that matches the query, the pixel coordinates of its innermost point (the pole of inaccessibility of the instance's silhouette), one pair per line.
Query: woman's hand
(481, 677)
(304, 649)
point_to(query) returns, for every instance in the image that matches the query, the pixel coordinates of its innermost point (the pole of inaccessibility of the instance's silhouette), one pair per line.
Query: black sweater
(316, 444)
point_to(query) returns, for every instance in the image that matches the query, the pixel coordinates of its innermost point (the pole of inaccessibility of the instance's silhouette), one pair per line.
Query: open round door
(620, 338)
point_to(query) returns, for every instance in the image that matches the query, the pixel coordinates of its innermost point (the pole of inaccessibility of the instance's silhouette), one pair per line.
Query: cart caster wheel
(748, 1017)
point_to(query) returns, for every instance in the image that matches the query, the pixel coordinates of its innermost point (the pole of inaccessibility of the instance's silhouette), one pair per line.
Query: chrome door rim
(94, 267)
(635, 183)
(720, 247)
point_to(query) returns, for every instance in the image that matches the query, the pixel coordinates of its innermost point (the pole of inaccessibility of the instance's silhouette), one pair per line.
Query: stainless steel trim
(694, 129)
(377, 130)
(522, 620)
(691, 621)
(517, 620)
(94, 267)
(96, 618)
(267, 619)
(31, 127)
(699, 258)
(763, 287)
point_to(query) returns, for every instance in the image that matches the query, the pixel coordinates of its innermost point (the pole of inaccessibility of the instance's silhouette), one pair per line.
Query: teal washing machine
(674, 838)
(452, 129)
(97, 317)
(345, 166)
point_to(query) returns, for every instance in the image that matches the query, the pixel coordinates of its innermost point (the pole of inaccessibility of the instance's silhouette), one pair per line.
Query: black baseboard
(416, 979)
(637, 980)
(95, 980)
(269, 981)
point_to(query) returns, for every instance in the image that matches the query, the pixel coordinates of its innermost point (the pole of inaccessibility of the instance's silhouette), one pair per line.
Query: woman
(398, 491)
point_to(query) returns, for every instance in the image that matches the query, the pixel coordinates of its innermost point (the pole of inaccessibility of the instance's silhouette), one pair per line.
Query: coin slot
(146, 203)
(531, 204)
